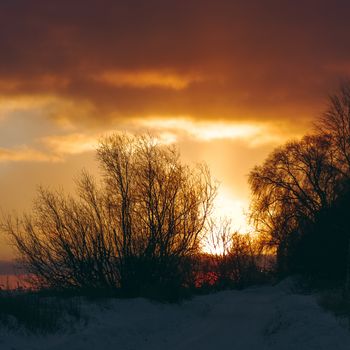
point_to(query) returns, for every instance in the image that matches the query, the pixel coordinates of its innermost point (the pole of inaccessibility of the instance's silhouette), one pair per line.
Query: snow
(270, 317)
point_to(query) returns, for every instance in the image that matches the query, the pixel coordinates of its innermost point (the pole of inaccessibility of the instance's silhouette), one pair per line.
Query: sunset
(227, 82)
(214, 134)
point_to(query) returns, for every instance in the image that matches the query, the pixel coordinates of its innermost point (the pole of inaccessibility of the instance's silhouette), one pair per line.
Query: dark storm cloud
(254, 60)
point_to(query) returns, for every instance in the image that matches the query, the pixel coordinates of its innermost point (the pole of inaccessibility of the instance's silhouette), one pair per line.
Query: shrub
(34, 313)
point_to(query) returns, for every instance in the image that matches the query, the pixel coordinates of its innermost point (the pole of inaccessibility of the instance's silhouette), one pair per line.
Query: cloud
(25, 154)
(55, 141)
(253, 134)
(51, 148)
(69, 144)
(145, 79)
(271, 61)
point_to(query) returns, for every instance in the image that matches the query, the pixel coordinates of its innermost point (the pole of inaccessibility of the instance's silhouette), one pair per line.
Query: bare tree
(294, 184)
(335, 123)
(300, 194)
(234, 256)
(218, 238)
(161, 205)
(132, 231)
(65, 242)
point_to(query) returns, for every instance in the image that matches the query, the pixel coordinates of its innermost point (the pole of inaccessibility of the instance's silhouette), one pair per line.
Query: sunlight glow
(230, 214)
(253, 133)
(235, 209)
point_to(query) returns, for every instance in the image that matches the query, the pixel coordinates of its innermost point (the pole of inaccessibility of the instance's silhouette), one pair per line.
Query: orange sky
(226, 80)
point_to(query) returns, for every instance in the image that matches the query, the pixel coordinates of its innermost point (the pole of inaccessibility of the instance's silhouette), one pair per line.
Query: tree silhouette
(300, 194)
(135, 230)
(335, 123)
(235, 257)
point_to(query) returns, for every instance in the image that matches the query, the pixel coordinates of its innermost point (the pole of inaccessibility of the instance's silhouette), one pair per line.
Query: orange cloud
(25, 154)
(145, 79)
(75, 143)
(123, 63)
(253, 133)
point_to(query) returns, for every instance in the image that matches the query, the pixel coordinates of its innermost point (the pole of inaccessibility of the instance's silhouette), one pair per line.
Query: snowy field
(256, 318)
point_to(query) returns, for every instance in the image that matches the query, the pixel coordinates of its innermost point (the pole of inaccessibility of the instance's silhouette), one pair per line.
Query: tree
(335, 122)
(300, 196)
(135, 231)
(294, 184)
(235, 257)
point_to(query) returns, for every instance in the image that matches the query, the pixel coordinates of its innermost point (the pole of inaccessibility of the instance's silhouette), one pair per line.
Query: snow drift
(255, 318)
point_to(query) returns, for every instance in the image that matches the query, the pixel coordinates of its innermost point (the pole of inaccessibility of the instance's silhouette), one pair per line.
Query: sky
(227, 81)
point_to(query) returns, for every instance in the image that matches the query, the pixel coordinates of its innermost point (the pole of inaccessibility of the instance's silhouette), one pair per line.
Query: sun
(232, 208)
(230, 215)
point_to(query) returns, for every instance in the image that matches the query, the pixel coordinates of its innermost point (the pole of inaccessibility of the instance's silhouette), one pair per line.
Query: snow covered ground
(256, 318)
